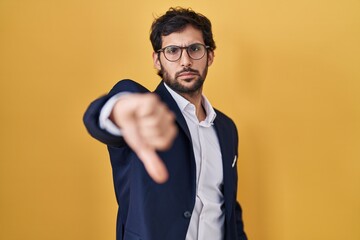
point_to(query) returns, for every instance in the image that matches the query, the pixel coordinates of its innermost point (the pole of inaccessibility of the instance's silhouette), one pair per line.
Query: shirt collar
(183, 102)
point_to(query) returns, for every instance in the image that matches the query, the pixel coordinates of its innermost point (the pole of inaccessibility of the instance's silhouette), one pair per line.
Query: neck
(196, 99)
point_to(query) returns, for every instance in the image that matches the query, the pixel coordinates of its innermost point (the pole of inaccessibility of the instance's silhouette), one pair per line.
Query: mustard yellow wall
(287, 72)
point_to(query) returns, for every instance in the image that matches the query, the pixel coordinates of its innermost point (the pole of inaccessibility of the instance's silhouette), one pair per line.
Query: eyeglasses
(195, 51)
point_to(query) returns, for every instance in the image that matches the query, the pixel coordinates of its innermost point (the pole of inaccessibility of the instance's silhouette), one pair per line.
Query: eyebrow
(183, 45)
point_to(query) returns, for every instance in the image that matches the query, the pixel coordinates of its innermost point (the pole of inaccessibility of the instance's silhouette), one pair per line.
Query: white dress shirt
(208, 216)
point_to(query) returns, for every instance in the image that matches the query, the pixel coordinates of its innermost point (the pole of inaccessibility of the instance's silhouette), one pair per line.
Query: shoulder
(220, 116)
(225, 123)
(127, 85)
(226, 128)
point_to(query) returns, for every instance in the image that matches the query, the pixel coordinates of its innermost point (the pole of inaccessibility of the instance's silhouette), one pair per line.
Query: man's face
(186, 75)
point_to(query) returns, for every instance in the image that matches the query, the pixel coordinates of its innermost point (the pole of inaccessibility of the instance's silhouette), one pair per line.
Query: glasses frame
(182, 48)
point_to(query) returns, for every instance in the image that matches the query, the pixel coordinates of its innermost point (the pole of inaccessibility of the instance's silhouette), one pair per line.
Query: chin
(191, 87)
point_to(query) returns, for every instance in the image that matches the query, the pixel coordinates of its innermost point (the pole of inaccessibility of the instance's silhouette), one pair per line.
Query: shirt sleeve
(104, 120)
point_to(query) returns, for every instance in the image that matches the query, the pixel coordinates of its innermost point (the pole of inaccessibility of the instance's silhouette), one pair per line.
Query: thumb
(152, 162)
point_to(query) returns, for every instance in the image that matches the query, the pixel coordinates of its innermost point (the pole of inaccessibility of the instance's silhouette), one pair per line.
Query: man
(173, 156)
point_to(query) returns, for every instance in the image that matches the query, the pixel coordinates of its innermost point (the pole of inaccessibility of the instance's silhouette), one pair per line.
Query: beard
(175, 84)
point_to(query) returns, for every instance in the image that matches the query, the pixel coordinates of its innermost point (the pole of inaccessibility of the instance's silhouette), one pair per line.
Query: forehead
(187, 36)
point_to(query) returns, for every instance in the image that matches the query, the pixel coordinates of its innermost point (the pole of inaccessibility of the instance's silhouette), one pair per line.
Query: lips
(189, 73)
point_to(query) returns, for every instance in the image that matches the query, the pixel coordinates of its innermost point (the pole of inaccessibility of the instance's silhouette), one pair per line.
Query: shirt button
(187, 214)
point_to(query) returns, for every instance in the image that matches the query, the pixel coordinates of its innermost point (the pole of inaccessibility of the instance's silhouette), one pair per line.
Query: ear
(156, 60)
(210, 57)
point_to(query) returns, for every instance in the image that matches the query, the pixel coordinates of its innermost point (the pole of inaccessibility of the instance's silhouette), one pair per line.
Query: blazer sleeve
(241, 235)
(92, 113)
(239, 223)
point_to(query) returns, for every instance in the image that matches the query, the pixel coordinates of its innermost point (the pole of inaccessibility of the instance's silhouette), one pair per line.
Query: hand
(147, 125)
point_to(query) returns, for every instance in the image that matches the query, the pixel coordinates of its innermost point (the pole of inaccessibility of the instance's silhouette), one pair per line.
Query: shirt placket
(202, 127)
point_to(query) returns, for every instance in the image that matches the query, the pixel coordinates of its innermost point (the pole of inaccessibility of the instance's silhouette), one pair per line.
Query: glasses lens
(196, 51)
(172, 53)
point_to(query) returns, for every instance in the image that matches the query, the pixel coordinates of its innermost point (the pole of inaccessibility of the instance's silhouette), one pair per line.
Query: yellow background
(287, 72)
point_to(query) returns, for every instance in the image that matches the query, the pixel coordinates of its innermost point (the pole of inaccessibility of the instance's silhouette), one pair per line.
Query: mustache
(186, 70)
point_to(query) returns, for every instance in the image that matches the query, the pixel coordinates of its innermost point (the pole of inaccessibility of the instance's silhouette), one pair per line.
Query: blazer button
(187, 214)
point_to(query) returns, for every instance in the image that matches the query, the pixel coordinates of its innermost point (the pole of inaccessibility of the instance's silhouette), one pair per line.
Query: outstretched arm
(92, 114)
(146, 125)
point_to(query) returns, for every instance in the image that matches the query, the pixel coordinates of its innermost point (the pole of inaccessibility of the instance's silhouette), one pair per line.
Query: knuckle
(151, 98)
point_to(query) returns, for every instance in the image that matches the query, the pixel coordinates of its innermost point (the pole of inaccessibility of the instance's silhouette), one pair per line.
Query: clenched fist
(147, 125)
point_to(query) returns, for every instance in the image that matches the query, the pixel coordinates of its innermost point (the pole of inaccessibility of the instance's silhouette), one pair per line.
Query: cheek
(201, 65)
(170, 68)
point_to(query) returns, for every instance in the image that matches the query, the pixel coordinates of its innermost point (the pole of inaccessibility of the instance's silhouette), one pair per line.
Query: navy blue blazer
(151, 211)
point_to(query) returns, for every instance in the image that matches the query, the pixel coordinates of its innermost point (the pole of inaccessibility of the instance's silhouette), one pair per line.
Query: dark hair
(175, 20)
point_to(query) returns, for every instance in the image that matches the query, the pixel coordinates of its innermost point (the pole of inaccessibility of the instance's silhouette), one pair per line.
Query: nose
(185, 59)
